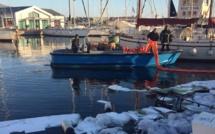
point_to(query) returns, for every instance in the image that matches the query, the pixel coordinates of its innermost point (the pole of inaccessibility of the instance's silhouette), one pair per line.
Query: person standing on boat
(75, 44)
(154, 36)
(152, 44)
(165, 38)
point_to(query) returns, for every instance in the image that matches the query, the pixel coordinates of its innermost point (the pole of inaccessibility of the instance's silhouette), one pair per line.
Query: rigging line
(84, 8)
(143, 6)
(161, 9)
(151, 8)
(154, 7)
(103, 10)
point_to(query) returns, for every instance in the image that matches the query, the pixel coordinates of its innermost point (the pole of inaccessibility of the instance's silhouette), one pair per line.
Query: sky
(116, 8)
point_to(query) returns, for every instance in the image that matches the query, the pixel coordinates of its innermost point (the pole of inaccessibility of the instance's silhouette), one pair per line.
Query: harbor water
(29, 87)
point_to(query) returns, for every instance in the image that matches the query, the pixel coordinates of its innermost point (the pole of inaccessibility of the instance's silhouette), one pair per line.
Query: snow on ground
(36, 124)
(151, 120)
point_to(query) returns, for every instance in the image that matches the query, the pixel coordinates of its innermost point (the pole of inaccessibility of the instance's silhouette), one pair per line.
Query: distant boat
(64, 58)
(7, 32)
(7, 35)
(65, 32)
(71, 31)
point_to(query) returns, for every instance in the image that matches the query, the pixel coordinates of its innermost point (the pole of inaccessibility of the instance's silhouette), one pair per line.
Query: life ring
(210, 52)
(193, 51)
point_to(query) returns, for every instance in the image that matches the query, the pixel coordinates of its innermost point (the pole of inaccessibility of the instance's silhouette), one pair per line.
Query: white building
(194, 8)
(30, 17)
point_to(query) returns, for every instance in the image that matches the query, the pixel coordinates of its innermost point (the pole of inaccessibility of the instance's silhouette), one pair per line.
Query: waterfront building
(29, 17)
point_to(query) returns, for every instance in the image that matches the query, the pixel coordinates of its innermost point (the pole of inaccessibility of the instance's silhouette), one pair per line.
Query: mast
(210, 14)
(88, 8)
(139, 3)
(101, 11)
(69, 11)
(139, 13)
(211, 8)
(191, 15)
(74, 13)
(125, 11)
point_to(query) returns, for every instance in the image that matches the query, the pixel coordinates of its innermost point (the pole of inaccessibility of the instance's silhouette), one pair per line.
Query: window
(194, 13)
(33, 15)
(8, 22)
(195, 2)
(186, 3)
(184, 13)
(57, 23)
(189, 13)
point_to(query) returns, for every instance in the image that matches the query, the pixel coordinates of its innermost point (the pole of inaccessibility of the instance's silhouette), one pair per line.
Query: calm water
(30, 88)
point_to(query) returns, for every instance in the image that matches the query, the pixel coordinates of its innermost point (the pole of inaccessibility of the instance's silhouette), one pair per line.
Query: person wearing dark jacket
(154, 36)
(165, 38)
(75, 44)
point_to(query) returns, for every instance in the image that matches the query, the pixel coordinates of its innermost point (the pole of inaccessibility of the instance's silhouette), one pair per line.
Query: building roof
(52, 12)
(7, 10)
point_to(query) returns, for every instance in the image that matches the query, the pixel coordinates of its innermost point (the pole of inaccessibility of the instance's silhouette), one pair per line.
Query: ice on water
(151, 120)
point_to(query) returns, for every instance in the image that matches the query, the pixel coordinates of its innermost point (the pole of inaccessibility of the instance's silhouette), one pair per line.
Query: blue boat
(64, 58)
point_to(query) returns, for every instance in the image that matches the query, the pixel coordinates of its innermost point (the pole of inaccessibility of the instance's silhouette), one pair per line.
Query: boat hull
(202, 50)
(65, 32)
(105, 59)
(7, 35)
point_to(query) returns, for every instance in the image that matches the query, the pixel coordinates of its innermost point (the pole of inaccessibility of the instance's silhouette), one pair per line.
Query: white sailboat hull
(96, 32)
(65, 32)
(203, 50)
(7, 34)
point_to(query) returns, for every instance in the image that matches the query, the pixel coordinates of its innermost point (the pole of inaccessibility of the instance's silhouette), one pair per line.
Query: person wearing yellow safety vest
(165, 38)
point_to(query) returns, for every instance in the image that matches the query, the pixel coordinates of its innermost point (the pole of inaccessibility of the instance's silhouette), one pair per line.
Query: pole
(88, 3)
(139, 14)
(125, 12)
(191, 14)
(101, 11)
(210, 14)
(74, 13)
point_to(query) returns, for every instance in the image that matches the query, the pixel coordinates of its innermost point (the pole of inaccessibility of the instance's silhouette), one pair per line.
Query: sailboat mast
(88, 8)
(69, 10)
(101, 11)
(125, 12)
(168, 13)
(191, 15)
(211, 8)
(210, 16)
(139, 3)
(74, 13)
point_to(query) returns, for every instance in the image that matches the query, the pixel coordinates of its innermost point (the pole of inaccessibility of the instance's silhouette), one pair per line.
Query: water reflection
(140, 77)
(32, 89)
(37, 46)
